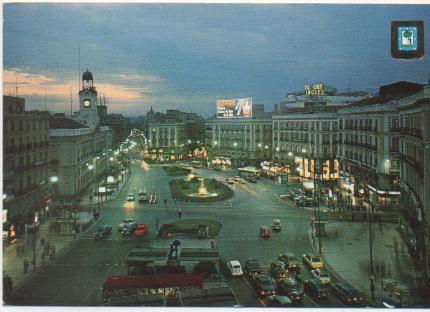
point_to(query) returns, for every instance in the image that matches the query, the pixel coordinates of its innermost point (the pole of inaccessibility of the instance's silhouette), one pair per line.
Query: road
(78, 274)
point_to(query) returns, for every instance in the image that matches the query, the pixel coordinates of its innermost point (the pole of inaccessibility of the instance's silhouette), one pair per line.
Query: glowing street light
(54, 179)
(90, 167)
(290, 154)
(277, 149)
(259, 144)
(235, 144)
(266, 147)
(215, 142)
(111, 159)
(298, 169)
(303, 150)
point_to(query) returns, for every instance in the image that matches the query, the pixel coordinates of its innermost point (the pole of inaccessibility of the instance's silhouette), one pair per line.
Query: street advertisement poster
(241, 108)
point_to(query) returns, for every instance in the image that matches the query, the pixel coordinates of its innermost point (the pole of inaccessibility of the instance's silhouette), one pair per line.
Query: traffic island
(176, 171)
(200, 228)
(192, 191)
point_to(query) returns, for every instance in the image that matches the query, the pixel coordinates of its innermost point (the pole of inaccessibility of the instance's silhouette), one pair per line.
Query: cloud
(32, 84)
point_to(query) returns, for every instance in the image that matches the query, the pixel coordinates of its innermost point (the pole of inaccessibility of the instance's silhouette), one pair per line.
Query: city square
(314, 199)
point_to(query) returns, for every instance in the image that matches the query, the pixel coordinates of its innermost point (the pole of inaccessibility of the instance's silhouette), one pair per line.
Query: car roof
(282, 299)
(251, 260)
(264, 227)
(234, 262)
(276, 220)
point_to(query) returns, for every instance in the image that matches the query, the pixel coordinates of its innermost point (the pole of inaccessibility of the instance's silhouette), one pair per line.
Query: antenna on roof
(104, 99)
(71, 102)
(79, 67)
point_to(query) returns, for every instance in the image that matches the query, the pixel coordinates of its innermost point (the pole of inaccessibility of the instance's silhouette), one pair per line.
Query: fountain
(202, 191)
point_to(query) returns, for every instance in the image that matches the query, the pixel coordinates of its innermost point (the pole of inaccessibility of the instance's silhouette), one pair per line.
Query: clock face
(87, 103)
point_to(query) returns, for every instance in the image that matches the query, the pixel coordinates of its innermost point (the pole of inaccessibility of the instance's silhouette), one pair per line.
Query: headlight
(262, 292)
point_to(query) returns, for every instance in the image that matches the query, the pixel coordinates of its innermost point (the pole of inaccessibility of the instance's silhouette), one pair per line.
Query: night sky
(189, 56)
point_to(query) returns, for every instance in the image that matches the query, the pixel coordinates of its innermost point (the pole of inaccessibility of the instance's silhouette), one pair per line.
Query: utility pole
(372, 276)
(34, 246)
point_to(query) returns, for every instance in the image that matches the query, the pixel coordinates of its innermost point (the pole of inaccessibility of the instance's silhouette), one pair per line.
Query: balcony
(412, 162)
(411, 131)
(11, 149)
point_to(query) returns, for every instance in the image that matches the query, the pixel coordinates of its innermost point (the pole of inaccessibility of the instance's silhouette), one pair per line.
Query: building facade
(166, 140)
(246, 141)
(26, 163)
(305, 142)
(79, 155)
(414, 150)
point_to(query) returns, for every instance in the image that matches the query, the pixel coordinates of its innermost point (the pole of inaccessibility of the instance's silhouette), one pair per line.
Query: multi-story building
(26, 163)
(171, 135)
(305, 140)
(414, 148)
(369, 146)
(243, 141)
(166, 140)
(79, 155)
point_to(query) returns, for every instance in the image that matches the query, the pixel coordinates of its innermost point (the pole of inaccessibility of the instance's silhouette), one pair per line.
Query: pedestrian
(212, 243)
(53, 252)
(156, 223)
(380, 218)
(165, 202)
(43, 256)
(26, 263)
(179, 213)
(175, 202)
(42, 242)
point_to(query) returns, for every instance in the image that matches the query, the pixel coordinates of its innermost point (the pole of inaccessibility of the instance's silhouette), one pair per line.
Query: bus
(148, 289)
(249, 172)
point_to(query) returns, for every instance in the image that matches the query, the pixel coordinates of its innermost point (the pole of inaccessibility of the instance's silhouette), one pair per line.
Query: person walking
(179, 213)
(52, 255)
(212, 243)
(42, 242)
(43, 256)
(26, 264)
(165, 203)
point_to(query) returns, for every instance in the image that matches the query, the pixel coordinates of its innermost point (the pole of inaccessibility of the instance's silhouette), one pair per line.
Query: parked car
(322, 275)
(140, 230)
(235, 268)
(290, 260)
(252, 267)
(265, 232)
(313, 261)
(276, 225)
(264, 285)
(278, 301)
(230, 181)
(124, 223)
(102, 231)
(346, 294)
(291, 288)
(315, 288)
(130, 197)
(277, 270)
(128, 229)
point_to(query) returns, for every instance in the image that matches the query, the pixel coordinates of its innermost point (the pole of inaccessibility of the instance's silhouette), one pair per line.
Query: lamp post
(370, 217)
(34, 244)
(317, 169)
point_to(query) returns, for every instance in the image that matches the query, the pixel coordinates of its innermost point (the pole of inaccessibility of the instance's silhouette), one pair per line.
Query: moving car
(130, 197)
(313, 261)
(276, 225)
(129, 229)
(124, 223)
(346, 294)
(278, 301)
(265, 232)
(321, 275)
(235, 268)
(102, 231)
(252, 267)
(236, 178)
(277, 270)
(291, 288)
(140, 230)
(264, 285)
(142, 196)
(315, 288)
(230, 181)
(290, 260)
(153, 198)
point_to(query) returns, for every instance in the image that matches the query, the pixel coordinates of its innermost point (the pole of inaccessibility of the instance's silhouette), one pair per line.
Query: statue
(173, 249)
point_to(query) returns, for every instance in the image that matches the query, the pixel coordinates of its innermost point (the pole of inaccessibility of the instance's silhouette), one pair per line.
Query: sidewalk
(346, 253)
(13, 259)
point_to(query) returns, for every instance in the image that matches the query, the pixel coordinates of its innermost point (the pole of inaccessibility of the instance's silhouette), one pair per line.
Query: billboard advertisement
(241, 108)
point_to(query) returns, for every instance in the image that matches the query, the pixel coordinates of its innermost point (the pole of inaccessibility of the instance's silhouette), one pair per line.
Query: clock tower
(88, 114)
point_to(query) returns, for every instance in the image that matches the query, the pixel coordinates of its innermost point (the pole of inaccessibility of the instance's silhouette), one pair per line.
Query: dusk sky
(189, 56)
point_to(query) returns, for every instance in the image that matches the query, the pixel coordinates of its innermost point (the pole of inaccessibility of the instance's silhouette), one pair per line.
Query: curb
(333, 271)
(63, 250)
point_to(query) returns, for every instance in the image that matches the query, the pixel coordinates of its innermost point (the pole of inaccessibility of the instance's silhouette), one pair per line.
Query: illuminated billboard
(241, 108)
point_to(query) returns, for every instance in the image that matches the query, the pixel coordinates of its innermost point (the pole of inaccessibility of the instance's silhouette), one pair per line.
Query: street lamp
(290, 154)
(370, 217)
(235, 144)
(259, 144)
(215, 142)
